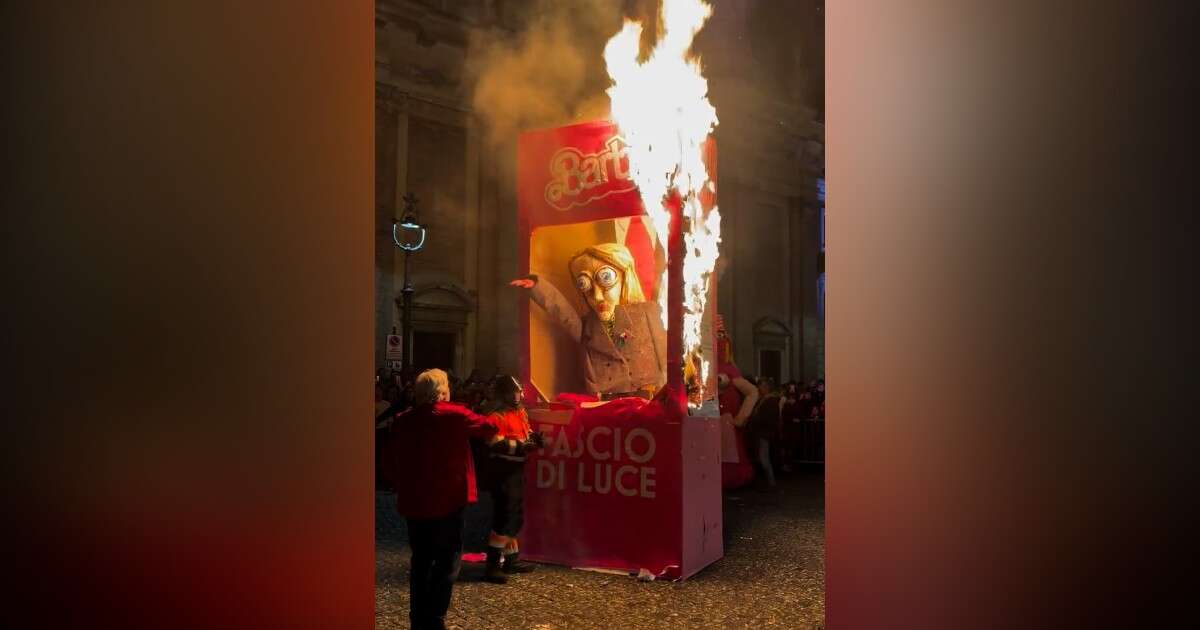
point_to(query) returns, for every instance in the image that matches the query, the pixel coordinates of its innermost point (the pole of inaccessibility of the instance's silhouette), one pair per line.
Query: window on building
(772, 348)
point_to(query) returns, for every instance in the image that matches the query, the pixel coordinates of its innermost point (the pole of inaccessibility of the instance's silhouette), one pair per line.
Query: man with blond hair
(427, 458)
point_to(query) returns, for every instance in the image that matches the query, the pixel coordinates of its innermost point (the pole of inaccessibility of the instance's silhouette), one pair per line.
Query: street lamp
(409, 236)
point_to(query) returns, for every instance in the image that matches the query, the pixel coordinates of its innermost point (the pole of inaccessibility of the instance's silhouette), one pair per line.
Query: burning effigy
(618, 235)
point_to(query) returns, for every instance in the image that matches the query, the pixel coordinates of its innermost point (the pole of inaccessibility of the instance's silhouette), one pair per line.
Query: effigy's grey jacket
(632, 359)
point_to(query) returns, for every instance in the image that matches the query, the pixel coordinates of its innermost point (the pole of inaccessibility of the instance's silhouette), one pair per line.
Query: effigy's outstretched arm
(547, 296)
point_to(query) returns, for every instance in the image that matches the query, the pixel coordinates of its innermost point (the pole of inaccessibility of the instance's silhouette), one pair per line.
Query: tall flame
(661, 107)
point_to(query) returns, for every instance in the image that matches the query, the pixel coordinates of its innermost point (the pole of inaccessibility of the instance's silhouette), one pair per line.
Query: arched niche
(441, 313)
(772, 349)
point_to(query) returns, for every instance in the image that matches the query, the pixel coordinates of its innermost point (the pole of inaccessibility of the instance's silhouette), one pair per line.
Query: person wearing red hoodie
(427, 458)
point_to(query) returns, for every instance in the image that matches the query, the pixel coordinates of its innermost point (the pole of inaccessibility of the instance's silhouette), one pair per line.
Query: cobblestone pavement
(772, 575)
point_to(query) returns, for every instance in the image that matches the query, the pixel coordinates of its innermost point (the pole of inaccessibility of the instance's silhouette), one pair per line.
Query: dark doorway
(433, 350)
(771, 363)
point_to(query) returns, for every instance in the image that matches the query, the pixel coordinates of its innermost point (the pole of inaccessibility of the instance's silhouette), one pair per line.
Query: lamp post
(409, 236)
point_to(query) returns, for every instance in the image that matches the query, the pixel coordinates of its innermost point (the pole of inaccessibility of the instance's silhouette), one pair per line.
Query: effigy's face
(600, 284)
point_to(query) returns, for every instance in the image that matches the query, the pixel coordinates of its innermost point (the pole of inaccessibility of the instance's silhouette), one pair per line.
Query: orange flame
(661, 107)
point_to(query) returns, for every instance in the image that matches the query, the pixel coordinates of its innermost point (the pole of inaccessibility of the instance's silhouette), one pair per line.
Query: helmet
(504, 386)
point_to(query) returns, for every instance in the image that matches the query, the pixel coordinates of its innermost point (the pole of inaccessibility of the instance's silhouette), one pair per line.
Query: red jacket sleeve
(481, 426)
(477, 426)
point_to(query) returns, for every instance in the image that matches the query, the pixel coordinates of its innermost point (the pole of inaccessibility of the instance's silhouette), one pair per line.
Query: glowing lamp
(408, 234)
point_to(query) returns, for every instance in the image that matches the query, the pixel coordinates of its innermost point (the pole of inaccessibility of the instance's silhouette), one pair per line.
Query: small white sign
(394, 349)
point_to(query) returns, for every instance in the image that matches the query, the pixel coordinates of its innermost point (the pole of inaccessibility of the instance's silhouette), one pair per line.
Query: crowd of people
(764, 425)
(776, 426)
(394, 393)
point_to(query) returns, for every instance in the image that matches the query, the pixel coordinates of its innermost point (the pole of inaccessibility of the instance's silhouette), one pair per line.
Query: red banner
(605, 491)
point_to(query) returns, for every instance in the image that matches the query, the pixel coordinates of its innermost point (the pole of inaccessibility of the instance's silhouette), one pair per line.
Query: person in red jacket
(427, 458)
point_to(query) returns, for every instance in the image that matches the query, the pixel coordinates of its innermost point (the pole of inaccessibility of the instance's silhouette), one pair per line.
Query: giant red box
(628, 484)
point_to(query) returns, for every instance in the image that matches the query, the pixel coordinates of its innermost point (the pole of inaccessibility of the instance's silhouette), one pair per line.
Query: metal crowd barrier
(810, 448)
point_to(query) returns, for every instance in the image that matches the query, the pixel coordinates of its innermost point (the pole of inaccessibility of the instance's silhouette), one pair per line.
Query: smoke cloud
(550, 70)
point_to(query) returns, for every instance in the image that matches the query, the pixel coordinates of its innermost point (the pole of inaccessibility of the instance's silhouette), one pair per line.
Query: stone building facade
(763, 61)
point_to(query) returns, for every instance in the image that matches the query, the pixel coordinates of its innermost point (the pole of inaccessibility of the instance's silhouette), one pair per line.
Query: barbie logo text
(578, 178)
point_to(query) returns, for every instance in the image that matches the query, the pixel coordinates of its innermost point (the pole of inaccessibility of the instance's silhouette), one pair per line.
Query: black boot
(513, 565)
(493, 573)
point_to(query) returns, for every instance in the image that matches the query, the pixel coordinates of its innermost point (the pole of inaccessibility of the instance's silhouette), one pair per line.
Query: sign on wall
(394, 351)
